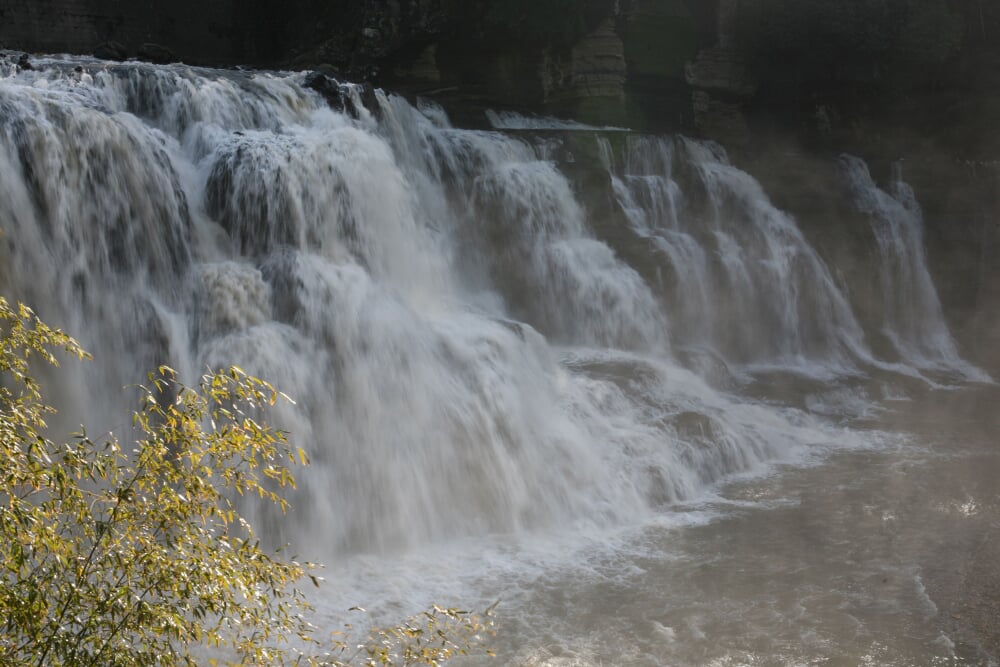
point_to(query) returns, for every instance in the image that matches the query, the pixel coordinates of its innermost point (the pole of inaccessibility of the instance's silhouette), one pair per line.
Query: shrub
(115, 555)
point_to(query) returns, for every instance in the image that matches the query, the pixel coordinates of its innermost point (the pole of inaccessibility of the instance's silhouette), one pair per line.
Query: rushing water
(506, 390)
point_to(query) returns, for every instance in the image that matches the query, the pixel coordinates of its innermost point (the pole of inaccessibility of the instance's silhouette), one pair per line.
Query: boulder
(368, 100)
(156, 54)
(349, 99)
(111, 50)
(326, 86)
(23, 62)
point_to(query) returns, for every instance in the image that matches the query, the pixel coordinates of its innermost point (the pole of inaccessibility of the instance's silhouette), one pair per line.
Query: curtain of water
(467, 356)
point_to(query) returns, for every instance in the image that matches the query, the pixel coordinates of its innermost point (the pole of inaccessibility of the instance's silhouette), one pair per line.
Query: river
(596, 375)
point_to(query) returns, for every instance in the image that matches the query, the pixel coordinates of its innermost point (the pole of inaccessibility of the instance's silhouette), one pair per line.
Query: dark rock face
(111, 50)
(326, 86)
(960, 201)
(339, 96)
(589, 78)
(862, 73)
(197, 32)
(720, 70)
(156, 54)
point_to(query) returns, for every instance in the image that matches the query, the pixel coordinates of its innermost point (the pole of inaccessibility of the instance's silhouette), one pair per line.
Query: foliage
(430, 638)
(127, 558)
(131, 556)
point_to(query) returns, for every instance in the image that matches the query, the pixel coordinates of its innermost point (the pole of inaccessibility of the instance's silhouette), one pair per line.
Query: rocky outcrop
(326, 86)
(111, 50)
(722, 85)
(588, 81)
(721, 81)
(720, 70)
(156, 54)
(595, 66)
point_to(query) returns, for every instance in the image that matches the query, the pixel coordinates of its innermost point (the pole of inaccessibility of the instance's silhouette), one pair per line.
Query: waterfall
(743, 278)
(467, 354)
(912, 319)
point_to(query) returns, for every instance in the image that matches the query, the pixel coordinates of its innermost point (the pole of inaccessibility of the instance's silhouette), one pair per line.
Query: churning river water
(595, 375)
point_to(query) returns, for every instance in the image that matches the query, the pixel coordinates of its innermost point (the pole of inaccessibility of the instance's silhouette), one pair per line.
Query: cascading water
(745, 280)
(911, 312)
(468, 357)
(391, 276)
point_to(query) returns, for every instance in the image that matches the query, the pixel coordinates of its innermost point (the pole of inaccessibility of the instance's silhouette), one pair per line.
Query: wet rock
(24, 63)
(370, 99)
(350, 101)
(329, 70)
(362, 96)
(156, 54)
(326, 86)
(111, 50)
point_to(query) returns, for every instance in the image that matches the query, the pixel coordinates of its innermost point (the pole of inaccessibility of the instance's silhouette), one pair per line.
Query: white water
(476, 372)
(745, 281)
(911, 311)
(511, 120)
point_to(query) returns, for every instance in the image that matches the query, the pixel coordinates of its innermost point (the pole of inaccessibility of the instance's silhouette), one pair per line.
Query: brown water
(887, 556)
